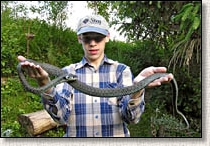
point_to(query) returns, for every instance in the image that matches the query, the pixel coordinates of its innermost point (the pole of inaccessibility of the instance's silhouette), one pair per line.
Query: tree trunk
(37, 122)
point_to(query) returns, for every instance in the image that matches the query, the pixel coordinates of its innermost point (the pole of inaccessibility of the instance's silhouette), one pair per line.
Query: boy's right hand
(34, 71)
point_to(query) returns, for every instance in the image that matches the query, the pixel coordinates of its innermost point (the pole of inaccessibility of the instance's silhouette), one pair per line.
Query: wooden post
(37, 122)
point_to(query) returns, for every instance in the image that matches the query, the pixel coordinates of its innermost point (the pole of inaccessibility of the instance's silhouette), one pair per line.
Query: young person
(90, 116)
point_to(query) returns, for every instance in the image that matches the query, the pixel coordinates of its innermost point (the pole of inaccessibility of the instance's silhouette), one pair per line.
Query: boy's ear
(107, 38)
(79, 39)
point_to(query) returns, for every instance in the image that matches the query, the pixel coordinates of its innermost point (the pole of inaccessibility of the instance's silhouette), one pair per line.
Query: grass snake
(71, 79)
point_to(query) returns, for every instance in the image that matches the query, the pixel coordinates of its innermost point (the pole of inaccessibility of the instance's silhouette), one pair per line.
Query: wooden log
(37, 122)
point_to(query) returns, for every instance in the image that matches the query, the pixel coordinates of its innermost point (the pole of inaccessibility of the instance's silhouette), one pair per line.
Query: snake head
(70, 77)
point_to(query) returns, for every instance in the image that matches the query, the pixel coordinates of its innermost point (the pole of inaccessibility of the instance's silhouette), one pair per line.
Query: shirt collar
(84, 62)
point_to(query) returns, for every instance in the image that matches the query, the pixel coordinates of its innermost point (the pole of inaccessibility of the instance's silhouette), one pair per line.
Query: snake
(72, 80)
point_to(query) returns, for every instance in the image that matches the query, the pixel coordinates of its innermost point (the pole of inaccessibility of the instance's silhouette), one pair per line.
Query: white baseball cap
(93, 23)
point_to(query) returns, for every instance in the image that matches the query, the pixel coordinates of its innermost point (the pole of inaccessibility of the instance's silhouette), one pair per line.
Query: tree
(171, 25)
(55, 11)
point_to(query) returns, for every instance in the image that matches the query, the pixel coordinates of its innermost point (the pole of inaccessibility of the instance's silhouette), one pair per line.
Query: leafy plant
(188, 44)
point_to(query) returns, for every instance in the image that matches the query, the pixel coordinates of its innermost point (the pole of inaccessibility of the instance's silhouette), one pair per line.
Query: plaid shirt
(89, 116)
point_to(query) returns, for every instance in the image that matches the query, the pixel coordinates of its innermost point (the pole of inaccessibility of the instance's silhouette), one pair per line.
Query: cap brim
(93, 29)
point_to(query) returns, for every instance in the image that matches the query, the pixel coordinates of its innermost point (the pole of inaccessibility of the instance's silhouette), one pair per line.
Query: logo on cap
(85, 21)
(92, 21)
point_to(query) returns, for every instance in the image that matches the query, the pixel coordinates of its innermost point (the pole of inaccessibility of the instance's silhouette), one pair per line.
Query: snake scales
(71, 79)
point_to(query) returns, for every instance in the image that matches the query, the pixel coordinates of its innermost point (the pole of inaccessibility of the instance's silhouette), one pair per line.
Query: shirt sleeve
(131, 109)
(58, 102)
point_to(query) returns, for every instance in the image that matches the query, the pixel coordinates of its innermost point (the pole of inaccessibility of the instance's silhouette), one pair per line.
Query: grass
(15, 101)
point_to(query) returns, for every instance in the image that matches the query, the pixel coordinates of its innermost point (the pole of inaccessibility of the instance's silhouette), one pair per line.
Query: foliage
(134, 53)
(47, 45)
(174, 25)
(55, 10)
(140, 19)
(15, 101)
(188, 44)
(10, 41)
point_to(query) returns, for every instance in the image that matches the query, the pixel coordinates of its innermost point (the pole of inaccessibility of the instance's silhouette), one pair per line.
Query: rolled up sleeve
(58, 103)
(131, 109)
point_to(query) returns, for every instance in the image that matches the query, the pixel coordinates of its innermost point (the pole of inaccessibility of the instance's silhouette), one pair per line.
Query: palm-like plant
(188, 44)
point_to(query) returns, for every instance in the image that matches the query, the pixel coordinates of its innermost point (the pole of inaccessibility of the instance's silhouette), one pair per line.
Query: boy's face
(93, 45)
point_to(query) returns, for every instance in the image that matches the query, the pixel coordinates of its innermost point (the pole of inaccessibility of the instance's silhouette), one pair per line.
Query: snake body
(62, 76)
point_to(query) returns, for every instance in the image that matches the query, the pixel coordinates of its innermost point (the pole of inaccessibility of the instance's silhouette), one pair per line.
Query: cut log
(37, 122)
